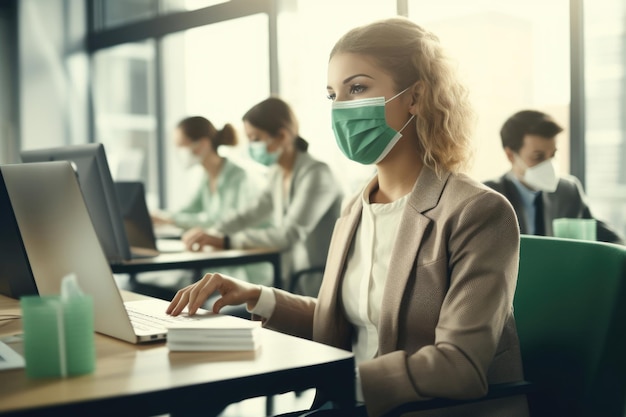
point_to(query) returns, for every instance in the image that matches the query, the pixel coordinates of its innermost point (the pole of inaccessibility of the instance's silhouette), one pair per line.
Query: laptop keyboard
(146, 322)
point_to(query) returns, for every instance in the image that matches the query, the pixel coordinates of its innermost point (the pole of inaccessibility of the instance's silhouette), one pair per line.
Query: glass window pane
(124, 112)
(306, 35)
(605, 101)
(120, 12)
(513, 56)
(218, 72)
(185, 5)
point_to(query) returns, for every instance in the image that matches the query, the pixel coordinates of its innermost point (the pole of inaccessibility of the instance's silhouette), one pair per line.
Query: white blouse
(365, 276)
(366, 272)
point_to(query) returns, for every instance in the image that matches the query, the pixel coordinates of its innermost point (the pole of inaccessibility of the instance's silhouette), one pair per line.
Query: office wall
(8, 75)
(53, 67)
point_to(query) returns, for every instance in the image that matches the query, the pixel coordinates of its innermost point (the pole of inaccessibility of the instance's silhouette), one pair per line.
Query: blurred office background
(124, 72)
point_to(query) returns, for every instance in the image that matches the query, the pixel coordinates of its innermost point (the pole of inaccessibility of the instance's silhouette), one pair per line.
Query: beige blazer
(446, 327)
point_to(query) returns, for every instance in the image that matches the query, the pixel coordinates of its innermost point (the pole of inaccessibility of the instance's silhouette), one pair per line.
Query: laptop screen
(137, 222)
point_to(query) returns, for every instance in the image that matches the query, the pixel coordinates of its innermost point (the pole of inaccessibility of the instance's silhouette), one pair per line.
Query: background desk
(149, 380)
(202, 260)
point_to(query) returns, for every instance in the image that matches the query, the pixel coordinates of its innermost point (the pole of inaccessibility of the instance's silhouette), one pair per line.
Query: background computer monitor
(16, 275)
(90, 164)
(132, 198)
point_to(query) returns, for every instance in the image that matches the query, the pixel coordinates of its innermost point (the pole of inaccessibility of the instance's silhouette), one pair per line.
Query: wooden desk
(150, 380)
(201, 260)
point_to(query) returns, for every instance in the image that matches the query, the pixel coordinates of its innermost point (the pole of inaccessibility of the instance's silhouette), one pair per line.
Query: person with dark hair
(226, 186)
(422, 266)
(302, 200)
(534, 188)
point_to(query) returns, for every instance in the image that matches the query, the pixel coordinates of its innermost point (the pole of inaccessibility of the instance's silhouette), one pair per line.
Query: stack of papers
(10, 359)
(214, 332)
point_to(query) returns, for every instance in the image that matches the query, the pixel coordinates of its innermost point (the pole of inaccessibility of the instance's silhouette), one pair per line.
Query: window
(605, 104)
(512, 58)
(206, 76)
(124, 112)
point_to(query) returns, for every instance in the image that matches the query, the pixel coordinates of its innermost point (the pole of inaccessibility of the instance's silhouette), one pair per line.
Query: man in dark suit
(533, 186)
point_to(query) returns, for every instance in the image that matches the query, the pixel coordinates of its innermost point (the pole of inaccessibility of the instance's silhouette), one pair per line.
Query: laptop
(58, 238)
(140, 232)
(94, 177)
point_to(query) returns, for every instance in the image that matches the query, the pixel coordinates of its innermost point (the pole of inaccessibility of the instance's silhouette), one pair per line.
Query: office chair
(570, 310)
(297, 276)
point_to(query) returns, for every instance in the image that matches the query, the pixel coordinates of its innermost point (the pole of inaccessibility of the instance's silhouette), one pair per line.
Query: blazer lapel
(413, 225)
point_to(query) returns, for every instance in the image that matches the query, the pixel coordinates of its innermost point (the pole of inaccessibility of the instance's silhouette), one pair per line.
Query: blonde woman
(422, 266)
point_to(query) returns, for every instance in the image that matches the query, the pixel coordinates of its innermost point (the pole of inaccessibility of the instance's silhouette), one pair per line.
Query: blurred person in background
(302, 200)
(534, 188)
(226, 186)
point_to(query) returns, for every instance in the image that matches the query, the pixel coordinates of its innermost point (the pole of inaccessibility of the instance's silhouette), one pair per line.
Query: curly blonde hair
(410, 55)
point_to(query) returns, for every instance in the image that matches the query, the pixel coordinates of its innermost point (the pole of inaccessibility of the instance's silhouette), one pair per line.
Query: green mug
(583, 229)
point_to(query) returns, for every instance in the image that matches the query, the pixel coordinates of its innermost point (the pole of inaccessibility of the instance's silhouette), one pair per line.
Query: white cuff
(266, 304)
(358, 388)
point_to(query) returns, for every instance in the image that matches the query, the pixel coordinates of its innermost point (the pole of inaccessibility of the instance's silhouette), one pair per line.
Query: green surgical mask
(258, 152)
(361, 130)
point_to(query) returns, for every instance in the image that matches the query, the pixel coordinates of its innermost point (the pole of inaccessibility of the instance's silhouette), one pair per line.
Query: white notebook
(10, 359)
(213, 332)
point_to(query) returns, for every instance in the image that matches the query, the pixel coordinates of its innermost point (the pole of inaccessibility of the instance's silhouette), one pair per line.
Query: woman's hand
(232, 291)
(196, 238)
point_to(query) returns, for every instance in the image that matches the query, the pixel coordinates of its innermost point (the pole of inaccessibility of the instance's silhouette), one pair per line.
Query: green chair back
(570, 309)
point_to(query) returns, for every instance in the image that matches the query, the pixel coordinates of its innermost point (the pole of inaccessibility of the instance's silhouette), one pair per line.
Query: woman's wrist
(253, 297)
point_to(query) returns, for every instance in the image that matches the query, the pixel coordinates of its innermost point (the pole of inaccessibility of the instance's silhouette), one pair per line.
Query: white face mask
(187, 158)
(542, 176)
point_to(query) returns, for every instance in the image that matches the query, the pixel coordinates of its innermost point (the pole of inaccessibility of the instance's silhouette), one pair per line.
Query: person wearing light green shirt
(235, 189)
(225, 189)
